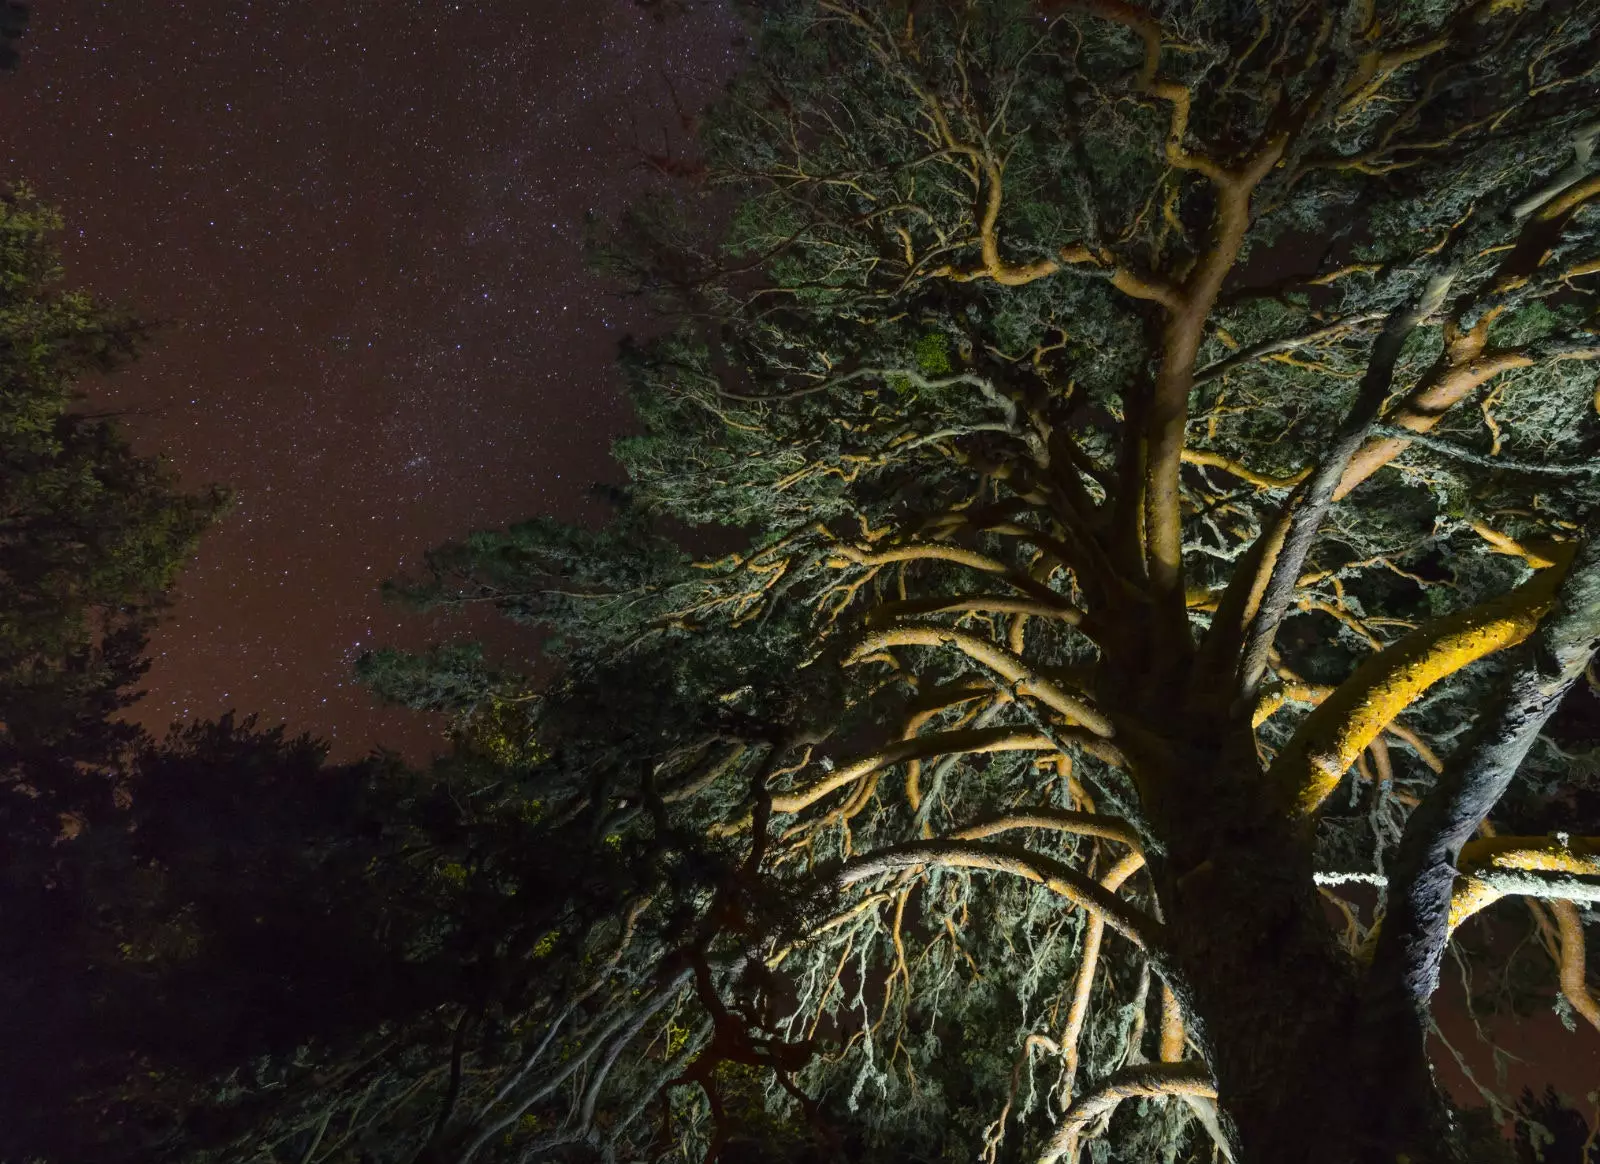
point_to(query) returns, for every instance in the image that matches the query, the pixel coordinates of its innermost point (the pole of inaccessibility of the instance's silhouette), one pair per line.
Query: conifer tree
(1160, 439)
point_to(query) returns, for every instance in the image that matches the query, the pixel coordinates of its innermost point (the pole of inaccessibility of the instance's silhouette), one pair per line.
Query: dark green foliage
(13, 23)
(91, 534)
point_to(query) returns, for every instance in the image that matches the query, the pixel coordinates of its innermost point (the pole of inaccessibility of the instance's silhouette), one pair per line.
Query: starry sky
(359, 223)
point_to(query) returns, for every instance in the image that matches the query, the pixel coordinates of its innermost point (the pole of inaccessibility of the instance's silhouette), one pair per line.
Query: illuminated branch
(1088, 965)
(1218, 461)
(1013, 669)
(1558, 854)
(956, 555)
(1424, 906)
(1468, 457)
(1147, 1081)
(1060, 879)
(1267, 348)
(1573, 968)
(1329, 739)
(1087, 824)
(1288, 540)
(973, 604)
(976, 741)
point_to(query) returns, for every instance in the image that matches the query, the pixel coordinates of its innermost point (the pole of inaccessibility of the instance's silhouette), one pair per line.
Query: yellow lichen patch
(1559, 854)
(1470, 896)
(1332, 736)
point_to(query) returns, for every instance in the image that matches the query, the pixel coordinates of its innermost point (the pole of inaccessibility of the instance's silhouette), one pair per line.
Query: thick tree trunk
(1305, 1073)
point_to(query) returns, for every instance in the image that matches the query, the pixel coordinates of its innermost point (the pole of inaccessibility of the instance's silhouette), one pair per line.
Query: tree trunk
(1306, 1074)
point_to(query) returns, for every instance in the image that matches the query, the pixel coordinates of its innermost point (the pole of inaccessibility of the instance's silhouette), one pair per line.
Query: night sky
(360, 222)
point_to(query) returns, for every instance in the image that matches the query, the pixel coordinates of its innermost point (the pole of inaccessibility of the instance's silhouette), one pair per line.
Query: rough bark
(1272, 997)
(1405, 967)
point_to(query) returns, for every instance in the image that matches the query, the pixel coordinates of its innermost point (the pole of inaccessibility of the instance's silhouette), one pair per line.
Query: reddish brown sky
(362, 220)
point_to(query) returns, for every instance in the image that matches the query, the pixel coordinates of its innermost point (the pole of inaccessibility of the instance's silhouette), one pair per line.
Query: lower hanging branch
(1146, 1081)
(1132, 923)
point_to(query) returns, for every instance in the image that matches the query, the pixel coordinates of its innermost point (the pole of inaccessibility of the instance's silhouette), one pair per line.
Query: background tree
(13, 23)
(193, 923)
(1160, 439)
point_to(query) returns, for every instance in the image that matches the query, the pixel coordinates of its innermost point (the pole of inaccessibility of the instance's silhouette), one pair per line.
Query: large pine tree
(1159, 440)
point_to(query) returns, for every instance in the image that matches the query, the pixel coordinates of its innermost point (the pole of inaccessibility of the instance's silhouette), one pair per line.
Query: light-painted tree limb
(1022, 677)
(1573, 969)
(1291, 534)
(1062, 880)
(1329, 739)
(1086, 824)
(975, 741)
(1146, 1081)
(1088, 966)
(973, 604)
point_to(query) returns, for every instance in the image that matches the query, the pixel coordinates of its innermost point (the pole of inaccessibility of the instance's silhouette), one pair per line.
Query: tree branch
(1296, 528)
(1011, 667)
(1146, 1081)
(1424, 903)
(1329, 739)
(1062, 880)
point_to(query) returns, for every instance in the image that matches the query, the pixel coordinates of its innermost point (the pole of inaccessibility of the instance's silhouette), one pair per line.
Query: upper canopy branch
(1288, 541)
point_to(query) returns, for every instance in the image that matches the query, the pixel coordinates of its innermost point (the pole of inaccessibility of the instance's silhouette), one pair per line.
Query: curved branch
(1147, 1081)
(975, 741)
(956, 555)
(1557, 854)
(1573, 969)
(1086, 824)
(1340, 728)
(1272, 347)
(1212, 460)
(973, 604)
(1062, 880)
(1012, 668)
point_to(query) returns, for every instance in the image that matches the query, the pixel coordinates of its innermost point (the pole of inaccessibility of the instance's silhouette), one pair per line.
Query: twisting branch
(1132, 923)
(1296, 528)
(1146, 1081)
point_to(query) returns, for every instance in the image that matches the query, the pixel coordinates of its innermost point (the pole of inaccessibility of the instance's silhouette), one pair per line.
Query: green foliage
(91, 535)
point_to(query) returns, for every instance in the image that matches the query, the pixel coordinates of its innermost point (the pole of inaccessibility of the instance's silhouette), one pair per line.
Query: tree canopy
(1162, 438)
